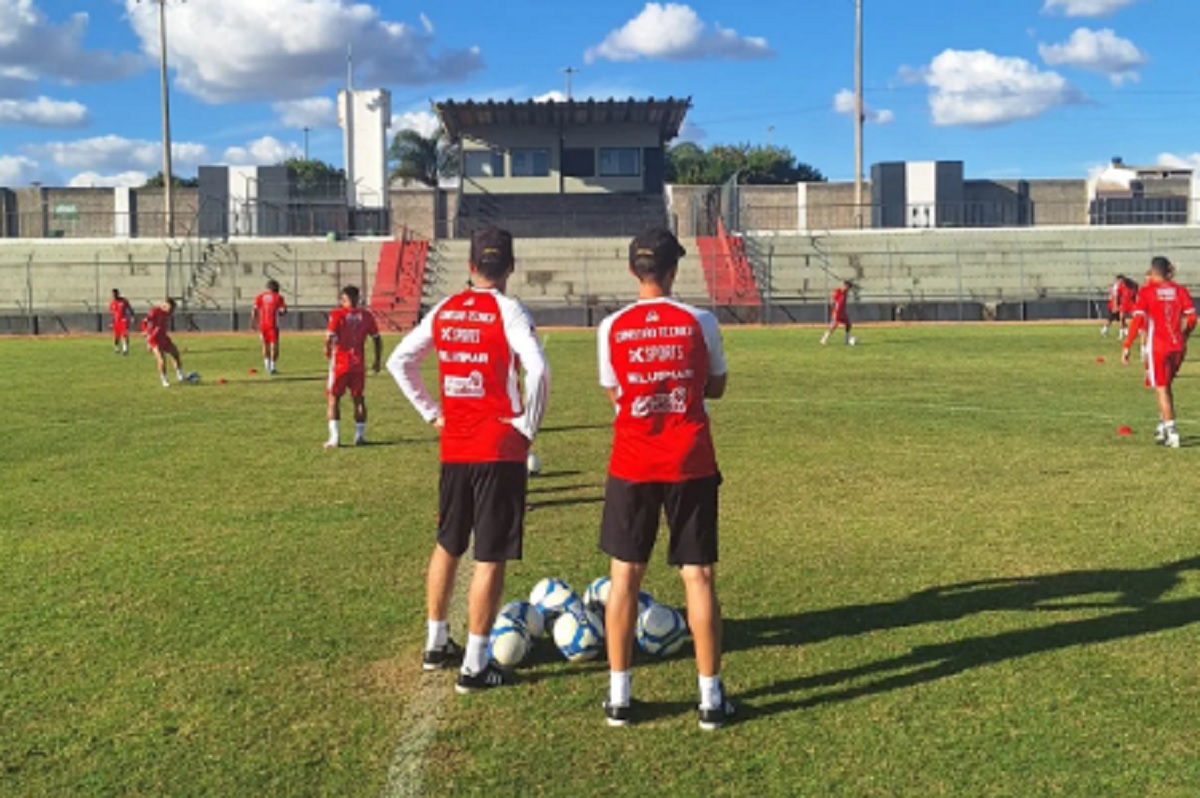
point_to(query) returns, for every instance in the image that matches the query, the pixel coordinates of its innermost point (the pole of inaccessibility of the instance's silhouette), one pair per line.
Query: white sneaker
(1104, 332)
(1172, 441)
(331, 444)
(825, 341)
(1160, 434)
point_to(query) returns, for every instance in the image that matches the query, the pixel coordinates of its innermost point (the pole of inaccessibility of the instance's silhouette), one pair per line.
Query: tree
(688, 164)
(422, 159)
(312, 174)
(176, 182)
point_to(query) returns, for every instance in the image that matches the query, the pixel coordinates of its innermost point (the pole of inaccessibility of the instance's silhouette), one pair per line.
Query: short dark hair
(351, 292)
(654, 254)
(171, 302)
(492, 252)
(273, 285)
(1161, 266)
(116, 292)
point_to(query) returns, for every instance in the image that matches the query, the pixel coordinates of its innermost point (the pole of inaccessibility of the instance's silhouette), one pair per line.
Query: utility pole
(569, 71)
(770, 136)
(859, 113)
(168, 177)
(306, 129)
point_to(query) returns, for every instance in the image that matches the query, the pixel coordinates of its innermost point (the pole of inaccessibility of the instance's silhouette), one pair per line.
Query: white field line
(406, 774)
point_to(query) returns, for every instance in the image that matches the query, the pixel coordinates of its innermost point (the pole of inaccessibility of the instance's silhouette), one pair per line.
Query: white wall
(364, 117)
(920, 179)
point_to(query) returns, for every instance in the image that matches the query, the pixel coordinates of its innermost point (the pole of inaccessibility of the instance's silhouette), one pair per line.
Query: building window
(531, 163)
(484, 163)
(620, 162)
(579, 162)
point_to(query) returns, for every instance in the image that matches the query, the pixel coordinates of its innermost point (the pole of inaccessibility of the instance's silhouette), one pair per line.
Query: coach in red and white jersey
(1166, 313)
(482, 339)
(659, 360)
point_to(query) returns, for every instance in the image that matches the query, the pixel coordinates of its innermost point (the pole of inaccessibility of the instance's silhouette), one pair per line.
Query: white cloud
(424, 122)
(1170, 159)
(977, 88)
(116, 154)
(675, 32)
(287, 49)
(43, 112)
(692, 132)
(32, 46)
(843, 103)
(266, 151)
(17, 170)
(1098, 51)
(313, 112)
(552, 96)
(97, 180)
(1085, 8)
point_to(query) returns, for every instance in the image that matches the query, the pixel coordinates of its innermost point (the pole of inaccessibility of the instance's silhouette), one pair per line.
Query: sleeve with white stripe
(608, 377)
(523, 340)
(405, 366)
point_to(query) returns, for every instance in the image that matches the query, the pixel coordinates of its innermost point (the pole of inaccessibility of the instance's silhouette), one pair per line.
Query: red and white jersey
(156, 321)
(483, 339)
(121, 311)
(659, 355)
(1114, 295)
(349, 331)
(269, 305)
(1162, 310)
(838, 301)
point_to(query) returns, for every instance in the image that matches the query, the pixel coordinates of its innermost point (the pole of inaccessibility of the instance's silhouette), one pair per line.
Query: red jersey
(1162, 309)
(156, 322)
(659, 355)
(269, 305)
(838, 302)
(121, 311)
(482, 338)
(349, 330)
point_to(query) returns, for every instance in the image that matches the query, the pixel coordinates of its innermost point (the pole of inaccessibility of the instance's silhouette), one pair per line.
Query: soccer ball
(661, 630)
(193, 376)
(525, 614)
(510, 643)
(553, 597)
(595, 598)
(577, 636)
(533, 464)
(645, 602)
(853, 341)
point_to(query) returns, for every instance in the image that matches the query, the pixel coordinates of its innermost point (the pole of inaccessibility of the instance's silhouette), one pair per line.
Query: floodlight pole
(569, 71)
(859, 113)
(306, 129)
(168, 193)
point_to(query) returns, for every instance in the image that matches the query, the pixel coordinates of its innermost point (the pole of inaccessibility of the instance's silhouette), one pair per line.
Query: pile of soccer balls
(577, 624)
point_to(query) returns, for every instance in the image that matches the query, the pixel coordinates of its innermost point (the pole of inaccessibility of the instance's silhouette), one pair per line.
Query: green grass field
(942, 571)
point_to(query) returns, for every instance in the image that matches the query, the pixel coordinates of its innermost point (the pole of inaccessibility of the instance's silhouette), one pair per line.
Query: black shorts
(631, 513)
(487, 498)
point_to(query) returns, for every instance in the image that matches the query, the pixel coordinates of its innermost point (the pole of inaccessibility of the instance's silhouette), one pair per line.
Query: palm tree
(422, 159)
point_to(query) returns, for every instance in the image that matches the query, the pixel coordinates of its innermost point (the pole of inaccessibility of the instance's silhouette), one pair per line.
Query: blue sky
(1032, 88)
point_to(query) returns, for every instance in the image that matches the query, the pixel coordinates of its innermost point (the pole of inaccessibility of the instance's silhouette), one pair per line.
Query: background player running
(345, 340)
(659, 360)
(1167, 316)
(122, 315)
(838, 314)
(157, 326)
(482, 338)
(1122, 299)
(268, 307)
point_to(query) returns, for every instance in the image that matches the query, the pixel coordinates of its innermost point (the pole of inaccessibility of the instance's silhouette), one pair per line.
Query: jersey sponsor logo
(460, 335)
(674, 402)
(652, 377)
(473, 358)
(652, 317)
(468, 387)
(645, 333)
(656, 354)
(475, 316)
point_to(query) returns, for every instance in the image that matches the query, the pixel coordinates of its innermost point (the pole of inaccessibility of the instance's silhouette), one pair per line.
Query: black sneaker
(617, 715)
(448, 656)
(486, 679)
(713, 719)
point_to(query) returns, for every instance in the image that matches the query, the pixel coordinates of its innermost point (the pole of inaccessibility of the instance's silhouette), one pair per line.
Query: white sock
(333, 430)
(620, 688)
(475, 658)
(165, 382)
(267, 363)
(710, 692)
(439, 633)
(360, 430)
(1169, 426)
(847, 337)
(179, 374)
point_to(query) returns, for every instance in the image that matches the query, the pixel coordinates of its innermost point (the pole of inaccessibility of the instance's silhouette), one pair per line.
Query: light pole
(168, 179)
(306, 129)
(569, 71)
(859, 113)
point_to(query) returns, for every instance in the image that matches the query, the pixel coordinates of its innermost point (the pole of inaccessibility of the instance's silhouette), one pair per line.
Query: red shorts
(161, 341)
(1161, 368)
(341, 380)
(270, 335)
(120, 329)
(1127, 308)
(842, 319)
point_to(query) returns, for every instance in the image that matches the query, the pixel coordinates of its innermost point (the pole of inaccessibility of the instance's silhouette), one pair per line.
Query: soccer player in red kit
(482, 339)
(659, 360)
(268, 307)
(157, 325)
(345, 349)
(838, 314)
(122, 314)
(1166, 313)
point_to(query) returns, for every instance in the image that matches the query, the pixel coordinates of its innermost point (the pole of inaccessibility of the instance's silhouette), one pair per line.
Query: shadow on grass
(573, 428)
(551, 474)
(575, 502)
(536, 489)
(1137, 609)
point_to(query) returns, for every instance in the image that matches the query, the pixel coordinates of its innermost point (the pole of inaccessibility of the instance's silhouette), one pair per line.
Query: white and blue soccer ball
(525, 614)
(510, 643)
(193, 376)
(578, 636)
(661, 630)
(645, 601)
(595, 598)
(554, 596)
